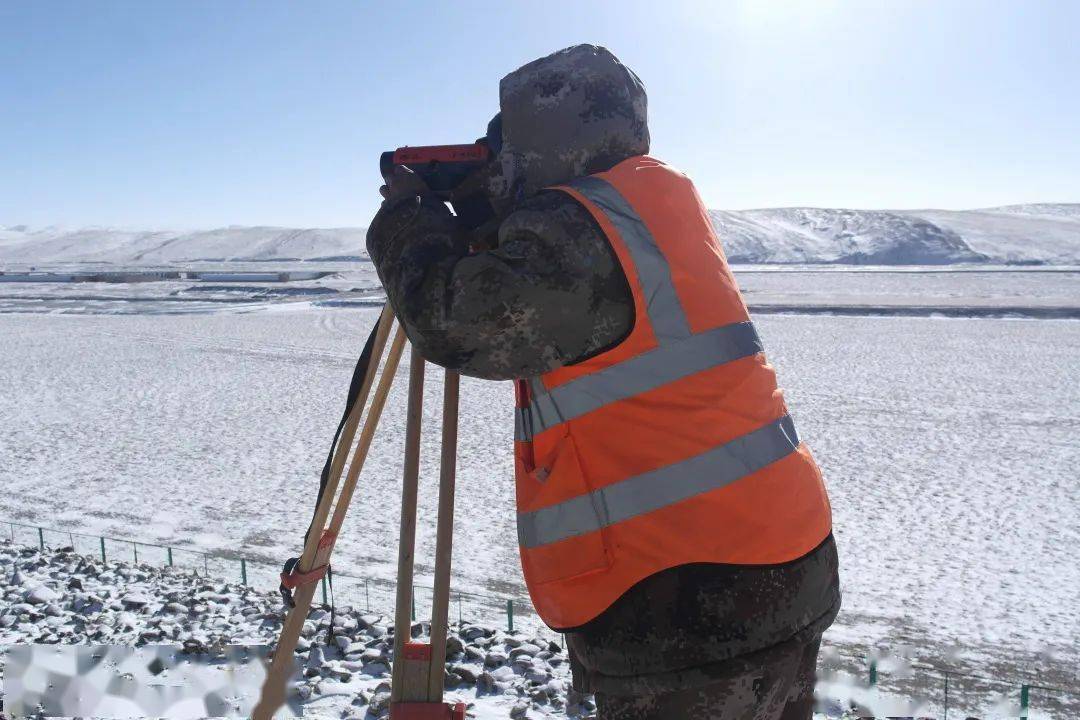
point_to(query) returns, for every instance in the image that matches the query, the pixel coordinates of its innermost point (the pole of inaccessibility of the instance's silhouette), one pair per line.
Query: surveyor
(670, 521)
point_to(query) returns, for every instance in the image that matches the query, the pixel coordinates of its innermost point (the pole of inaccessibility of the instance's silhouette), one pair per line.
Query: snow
(88, 604)
(949, 445)
(149, 247)
(1018, 234)
(1037, 233)
(813, 235)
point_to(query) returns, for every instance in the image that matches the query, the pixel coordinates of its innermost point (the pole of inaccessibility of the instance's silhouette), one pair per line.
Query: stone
(135, 601)
(375, 669)
(41, 595)
(466, 673)
(524, 649)
(494, 659)
(485, 682)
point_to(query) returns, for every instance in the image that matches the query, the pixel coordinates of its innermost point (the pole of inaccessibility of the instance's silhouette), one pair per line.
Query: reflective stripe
(666, 313)
(523, 425)
(659, 488)
(640, 374)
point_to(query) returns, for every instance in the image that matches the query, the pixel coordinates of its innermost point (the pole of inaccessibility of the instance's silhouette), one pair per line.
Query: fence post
(873, 672)
(1025, 700)
(102, 539)
(946, 695)
(324, 600)
(510, 615)
(169, 551)
(135, 551)
(367, 596)
(414, 604)
(41, 538)
(459, 611)
(243, 571)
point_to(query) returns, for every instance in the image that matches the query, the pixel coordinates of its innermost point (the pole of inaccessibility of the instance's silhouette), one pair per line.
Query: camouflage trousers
(779, 686)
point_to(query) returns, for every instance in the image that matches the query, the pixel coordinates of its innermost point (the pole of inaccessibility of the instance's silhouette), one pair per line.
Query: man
(670, 521)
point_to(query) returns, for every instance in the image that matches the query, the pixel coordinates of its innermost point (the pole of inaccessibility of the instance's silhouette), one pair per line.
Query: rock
(16, 578)
(472, 653)
(494, 659)
(75, 584)
(308, 630)
(519, 710)
(536, 675)
(485, 683)
(512, 642)
(380, 699)
(454, 645)
(372, 655)
(194, 646)
(375, 669)
(473, 633)
(503, 674)
(177, 608)
(125, 621)
(466, 673)
(53, 610)
(135, 601)
(524, 649)
(41, 595)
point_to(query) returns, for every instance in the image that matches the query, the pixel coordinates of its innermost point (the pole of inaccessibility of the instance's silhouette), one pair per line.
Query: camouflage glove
(404, 184)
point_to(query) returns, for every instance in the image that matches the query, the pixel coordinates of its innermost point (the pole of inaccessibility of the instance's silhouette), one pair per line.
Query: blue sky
(195, 114)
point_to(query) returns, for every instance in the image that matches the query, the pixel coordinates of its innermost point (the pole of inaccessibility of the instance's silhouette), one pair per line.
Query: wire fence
(373, 595)
(938, 690)
(953, 688)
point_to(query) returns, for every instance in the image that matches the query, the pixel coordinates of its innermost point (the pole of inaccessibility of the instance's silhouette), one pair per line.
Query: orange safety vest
(673, 447)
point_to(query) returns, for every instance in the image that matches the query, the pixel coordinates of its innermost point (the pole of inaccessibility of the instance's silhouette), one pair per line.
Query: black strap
(357, 382)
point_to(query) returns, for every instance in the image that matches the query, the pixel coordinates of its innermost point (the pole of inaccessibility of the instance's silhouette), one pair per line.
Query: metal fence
(368, 594)
(942, 689)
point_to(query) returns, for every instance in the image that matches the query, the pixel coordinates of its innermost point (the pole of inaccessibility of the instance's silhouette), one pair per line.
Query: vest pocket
(558, 478)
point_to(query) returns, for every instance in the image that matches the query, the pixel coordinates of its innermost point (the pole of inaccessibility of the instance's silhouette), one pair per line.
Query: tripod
(417, 675)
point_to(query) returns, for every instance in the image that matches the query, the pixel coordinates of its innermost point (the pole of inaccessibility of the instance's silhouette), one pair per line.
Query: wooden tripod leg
(440, 603)
(405, 678)
(274, 687)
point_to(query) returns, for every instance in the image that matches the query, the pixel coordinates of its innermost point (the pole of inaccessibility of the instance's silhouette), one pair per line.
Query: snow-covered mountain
(148, 247)
(1036, 234)
(812, 235)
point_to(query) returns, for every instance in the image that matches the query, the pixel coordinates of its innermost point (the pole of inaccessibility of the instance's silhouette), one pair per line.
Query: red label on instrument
(476, 152)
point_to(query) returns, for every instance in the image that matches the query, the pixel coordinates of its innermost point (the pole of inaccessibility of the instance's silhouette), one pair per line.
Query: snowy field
(949, 447)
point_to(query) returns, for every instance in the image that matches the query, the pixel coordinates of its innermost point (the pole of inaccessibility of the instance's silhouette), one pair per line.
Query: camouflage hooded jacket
(550, 292)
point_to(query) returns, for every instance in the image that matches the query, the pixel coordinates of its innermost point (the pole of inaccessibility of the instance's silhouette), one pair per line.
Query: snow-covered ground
(60, 598)
(1042, 234)
(949, 445)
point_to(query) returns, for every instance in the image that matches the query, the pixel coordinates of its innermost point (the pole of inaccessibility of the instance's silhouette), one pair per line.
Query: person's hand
(402, 185)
